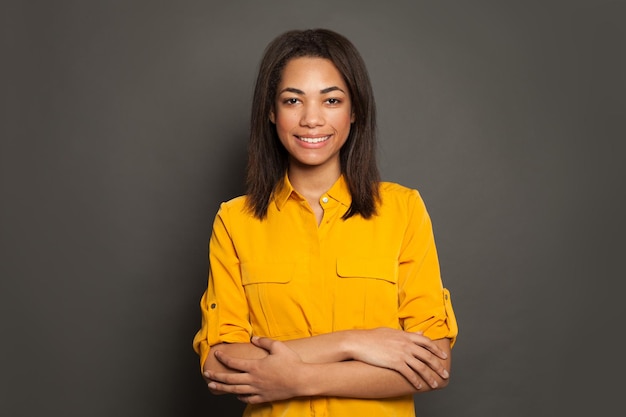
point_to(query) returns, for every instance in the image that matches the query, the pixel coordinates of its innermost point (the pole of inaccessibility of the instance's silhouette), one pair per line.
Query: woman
(324, 294)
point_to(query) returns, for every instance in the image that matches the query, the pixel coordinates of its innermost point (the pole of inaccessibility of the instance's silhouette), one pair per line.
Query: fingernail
(445, 374)
(212, 385)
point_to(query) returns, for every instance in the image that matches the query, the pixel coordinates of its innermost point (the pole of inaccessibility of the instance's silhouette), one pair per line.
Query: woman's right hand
(413, 355)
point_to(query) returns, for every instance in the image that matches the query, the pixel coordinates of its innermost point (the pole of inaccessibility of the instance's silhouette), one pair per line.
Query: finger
(267, 343)
(262, 342)
(425, 373)
(423, 359)
(427, 343)
(231, 389)
(412, 377)
(429, 372)
(214, 388)
(437, 351)
(271, 345)
(229, 378)
(238, 364)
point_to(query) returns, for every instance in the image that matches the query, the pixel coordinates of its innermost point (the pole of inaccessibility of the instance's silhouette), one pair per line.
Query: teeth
(314, 140)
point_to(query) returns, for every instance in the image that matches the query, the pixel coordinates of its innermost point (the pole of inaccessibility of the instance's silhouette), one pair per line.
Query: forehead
(311, 70)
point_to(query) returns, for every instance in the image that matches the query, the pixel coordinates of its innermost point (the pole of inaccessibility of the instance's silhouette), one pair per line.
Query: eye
(333, 101)
(291, 101)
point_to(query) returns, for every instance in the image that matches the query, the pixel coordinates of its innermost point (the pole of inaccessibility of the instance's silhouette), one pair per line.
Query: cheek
(281, 126)
(286, 120)
(344, 120)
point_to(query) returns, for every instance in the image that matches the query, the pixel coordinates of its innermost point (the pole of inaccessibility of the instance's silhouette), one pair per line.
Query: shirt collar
(339, 191)
(283, 192)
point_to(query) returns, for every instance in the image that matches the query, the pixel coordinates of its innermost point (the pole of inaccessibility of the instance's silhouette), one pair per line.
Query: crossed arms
(376, 363)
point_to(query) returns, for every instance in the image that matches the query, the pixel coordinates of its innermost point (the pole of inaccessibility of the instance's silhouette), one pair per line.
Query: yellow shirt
(285, 277)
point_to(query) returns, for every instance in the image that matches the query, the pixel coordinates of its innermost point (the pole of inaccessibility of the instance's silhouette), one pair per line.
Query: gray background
(124, 125)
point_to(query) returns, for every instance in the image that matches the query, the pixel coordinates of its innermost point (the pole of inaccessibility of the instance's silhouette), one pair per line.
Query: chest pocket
(275, 296)
(368, 292)
(266, 272)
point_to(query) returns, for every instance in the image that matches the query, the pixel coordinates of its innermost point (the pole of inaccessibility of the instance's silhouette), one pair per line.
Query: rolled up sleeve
(424, 304)
(223, 306)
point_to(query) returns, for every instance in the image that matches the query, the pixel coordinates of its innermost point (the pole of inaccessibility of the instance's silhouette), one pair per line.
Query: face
(312, 112)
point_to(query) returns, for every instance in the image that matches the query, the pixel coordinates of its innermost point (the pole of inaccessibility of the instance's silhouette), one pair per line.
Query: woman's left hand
(271, 378)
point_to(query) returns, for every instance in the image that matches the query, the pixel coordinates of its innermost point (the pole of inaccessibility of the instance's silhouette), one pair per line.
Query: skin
(313, 115)
(376, 363)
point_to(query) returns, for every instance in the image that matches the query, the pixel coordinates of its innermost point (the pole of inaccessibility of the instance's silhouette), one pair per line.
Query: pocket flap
(266, 272)
(376, 268)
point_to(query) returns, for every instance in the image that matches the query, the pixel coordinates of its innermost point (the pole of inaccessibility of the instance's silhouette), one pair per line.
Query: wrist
(306, 383)
(349, 344)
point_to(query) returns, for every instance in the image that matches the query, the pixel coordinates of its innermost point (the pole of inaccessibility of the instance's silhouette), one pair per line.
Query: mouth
(317, 139)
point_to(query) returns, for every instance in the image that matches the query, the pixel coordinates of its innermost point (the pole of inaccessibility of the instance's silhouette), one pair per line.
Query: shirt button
(325, 200)
(213, 305)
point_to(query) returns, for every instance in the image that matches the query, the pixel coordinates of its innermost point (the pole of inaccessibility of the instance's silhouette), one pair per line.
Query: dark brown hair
(268, 159)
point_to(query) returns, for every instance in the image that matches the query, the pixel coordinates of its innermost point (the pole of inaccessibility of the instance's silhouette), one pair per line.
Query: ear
(272, 117)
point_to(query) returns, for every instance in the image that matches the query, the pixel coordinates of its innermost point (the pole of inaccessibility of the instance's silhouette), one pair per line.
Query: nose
(312, 115)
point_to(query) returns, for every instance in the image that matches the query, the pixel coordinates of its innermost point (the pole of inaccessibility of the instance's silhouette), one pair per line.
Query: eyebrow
(300, 92)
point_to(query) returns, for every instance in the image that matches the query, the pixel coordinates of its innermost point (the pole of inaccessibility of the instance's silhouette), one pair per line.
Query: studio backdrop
(124, 125)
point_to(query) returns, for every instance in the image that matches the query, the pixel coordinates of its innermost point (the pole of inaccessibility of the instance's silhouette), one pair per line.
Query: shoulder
(405, 205)
(238, 202)
(397, 192)
(397, 197)
(395, 188)
(234, 209)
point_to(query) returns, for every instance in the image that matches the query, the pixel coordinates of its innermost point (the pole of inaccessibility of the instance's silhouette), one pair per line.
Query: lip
(313, 139)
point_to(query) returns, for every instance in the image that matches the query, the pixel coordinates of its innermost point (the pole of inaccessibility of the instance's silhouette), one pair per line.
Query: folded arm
(375, 363)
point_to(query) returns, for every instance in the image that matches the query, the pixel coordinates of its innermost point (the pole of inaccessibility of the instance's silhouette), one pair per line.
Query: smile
(314, 140)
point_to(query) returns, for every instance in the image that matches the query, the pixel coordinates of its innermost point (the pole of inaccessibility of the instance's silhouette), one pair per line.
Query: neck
(312, 182)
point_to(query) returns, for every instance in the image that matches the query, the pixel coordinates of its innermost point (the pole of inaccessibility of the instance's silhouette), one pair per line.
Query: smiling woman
(313, 114)
(324, 293)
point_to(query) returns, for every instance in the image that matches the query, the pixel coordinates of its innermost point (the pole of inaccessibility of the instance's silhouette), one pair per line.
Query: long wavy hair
(268, 159)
